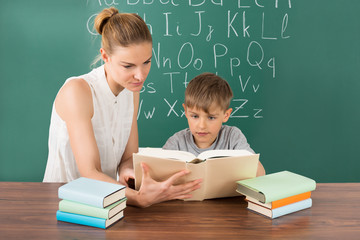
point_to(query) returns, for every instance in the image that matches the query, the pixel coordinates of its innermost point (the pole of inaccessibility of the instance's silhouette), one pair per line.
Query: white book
(219, 169)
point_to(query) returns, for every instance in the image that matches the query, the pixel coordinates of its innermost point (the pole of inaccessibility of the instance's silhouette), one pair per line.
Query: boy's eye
(127, 66)
(212, 118)
(194, 116)
(147, 62)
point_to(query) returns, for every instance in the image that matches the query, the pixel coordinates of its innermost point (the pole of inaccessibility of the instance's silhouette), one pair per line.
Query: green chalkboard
(293, 67)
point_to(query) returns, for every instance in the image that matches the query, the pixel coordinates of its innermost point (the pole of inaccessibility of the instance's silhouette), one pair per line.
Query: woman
(93, 131)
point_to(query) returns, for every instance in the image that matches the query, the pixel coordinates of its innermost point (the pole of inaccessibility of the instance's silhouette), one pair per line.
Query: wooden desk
(27, 211)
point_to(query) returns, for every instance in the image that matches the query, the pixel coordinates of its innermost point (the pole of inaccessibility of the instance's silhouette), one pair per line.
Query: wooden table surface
(28, 211)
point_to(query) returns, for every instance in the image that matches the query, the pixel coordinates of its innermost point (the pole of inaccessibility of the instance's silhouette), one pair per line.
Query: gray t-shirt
(229, 137)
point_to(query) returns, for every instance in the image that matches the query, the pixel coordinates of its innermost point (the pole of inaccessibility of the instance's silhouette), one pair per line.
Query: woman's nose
(140, 75)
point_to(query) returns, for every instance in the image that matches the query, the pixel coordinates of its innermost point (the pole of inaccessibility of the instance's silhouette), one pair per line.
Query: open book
(219, 169)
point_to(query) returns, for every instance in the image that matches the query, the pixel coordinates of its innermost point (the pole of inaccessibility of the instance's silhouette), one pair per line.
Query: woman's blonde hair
(120, 29)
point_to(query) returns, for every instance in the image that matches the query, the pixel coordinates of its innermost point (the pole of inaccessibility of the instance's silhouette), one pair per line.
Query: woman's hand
(126, 177)
(152, 192)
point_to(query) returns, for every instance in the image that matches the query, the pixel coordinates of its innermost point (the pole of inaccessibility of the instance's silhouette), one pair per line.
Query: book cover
(281, 202)
(92, 192)
(275, 186)
(281, 211)
(83, 209)
(219, 169)
(87, 220)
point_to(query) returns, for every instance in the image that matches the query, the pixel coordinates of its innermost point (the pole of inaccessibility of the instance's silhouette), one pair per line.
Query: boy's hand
(152, 192)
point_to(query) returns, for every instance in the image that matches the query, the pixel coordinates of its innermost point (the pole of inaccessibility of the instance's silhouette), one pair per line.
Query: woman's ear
(104, 55)
(227, 115)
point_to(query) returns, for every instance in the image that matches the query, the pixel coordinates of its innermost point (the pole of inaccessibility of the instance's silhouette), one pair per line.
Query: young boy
(207, 101)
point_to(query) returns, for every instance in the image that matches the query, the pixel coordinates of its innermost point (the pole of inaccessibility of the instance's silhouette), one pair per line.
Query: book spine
(294, 207)
(289, 200)
(80, 219)
(82, 209)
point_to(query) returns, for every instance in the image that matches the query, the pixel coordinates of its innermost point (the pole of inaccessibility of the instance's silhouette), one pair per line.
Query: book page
(160, 168)
(197, 171)
(222, 174)
(168, 154)
(223, 153)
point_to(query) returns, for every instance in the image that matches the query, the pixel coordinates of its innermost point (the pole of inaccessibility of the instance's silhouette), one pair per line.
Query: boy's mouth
(202, 134)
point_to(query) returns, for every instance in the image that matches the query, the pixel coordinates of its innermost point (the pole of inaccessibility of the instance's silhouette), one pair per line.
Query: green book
(275, 186)
(87, 210)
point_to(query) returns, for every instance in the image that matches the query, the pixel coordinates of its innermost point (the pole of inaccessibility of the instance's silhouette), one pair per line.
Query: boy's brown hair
(207, 89)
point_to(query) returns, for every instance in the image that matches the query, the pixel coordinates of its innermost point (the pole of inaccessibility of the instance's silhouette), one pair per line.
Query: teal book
(87, 220)
(83, 209)
(281, 211)
(92, 192)
(275, 186)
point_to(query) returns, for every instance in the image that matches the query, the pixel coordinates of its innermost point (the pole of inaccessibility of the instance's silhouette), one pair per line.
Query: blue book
(87, 220)
(92, 192)
(281, 211)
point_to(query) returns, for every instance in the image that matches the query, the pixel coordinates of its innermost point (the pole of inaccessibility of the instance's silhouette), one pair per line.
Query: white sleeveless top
(111, 122)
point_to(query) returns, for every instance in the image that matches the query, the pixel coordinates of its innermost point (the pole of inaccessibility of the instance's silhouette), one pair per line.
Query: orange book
(281, 202)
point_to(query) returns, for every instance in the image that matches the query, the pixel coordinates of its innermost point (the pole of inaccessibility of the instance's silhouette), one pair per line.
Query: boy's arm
(239, 140)
(241, 143)
(260, 170)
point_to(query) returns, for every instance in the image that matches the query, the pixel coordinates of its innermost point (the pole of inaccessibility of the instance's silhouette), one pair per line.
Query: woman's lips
(137, 83)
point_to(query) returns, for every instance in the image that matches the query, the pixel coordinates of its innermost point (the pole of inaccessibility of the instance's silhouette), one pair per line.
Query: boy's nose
(202, 124)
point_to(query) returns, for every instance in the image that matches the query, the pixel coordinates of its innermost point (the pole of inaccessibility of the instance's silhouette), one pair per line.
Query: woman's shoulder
(74, 97)
(75, 89)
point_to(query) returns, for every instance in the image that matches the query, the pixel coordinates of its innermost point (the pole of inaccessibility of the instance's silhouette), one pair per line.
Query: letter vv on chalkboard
(293, 67)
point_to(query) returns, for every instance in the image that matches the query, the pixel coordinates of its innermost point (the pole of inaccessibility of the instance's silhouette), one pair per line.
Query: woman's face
(128, 67)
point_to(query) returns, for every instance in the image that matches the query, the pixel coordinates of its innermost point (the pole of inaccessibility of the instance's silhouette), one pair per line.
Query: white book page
(171, 154)
(223, 153)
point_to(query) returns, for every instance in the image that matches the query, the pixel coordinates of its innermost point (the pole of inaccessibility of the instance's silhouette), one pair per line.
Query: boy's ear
(227, 115)
(104, 55)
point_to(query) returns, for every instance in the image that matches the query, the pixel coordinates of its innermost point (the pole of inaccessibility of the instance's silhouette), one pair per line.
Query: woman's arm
(125, 169)
(151, 191)
(75, 106)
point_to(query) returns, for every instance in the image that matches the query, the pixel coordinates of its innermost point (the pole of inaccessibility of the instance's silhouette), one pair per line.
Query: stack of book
(91, 202)
(277, 194)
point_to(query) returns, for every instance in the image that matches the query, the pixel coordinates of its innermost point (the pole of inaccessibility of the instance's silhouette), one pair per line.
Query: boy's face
(206, 126)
